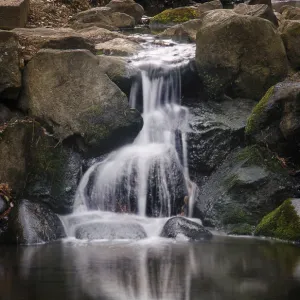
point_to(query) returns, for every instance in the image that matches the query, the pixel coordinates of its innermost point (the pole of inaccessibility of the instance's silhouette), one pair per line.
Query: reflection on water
(223, 268)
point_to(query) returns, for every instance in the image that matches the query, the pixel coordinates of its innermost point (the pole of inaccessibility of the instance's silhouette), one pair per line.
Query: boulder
(128, 7)
(209, 5)
(98, 113)
(228, 58)
(110, 231)
(34, 164)
(33, 223)
(215, 130)
(118, 47)
(5, 114)
(282, 223)
(34, 39)
(185, 32)
(290, 13)
(103, 17)
(13, 13)
(259, 10)
(290, 34)
(277, 6)
(174, 16)
(274, 121)
(10, 73)
(179, 227)
(250, 183)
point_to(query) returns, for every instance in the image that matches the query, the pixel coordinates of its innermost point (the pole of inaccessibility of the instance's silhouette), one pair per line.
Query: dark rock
(5, 114)
(3, 205)
(274, 121)
(10, 73)
(216, 129)
(110, 231)
(32, 223)
(255, 2)
(181, 227)
(35, 164)
(241, 56)
(250, 183)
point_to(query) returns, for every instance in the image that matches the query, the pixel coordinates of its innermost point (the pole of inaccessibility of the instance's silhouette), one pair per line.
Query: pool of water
(223, 268)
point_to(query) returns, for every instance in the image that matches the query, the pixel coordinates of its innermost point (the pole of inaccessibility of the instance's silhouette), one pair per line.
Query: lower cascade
(148, 178)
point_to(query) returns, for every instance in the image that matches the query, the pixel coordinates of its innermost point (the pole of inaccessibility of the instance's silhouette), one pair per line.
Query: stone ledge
(13, 13)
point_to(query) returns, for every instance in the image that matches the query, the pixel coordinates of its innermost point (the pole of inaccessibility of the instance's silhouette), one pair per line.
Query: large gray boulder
(103, 17)
(290, 13)
(32, 223)
(10, 73)
(239, 55)
(70, 91)
(274, 121)
(128, 7)
(290, 33)
(259, 10)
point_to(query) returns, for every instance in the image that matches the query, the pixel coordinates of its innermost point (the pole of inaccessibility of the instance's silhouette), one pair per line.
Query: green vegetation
(252, 123)
(241, 229)
(177, 15)
(282, 223)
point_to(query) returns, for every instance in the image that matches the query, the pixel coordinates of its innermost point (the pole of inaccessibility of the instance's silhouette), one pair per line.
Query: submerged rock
(241, 56)
(282, 223)
(32, 223)
(249, 184)
(82, 102)
(110, 231)
(128, 7)
(10, 73)
(274, 121)
(178, 227)
(290, 33)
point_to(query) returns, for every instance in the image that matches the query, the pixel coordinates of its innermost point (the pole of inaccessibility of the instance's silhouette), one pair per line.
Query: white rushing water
(149, 177)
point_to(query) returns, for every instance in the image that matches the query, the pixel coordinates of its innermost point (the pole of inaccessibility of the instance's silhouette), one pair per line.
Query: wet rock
(110, 231)
(290, 34)
(32, 223)
(249, 184)
(5, 114)
(179, 227)
(255, 2)
(185, 32)
(282, 223)
(259, 10)
(99, 112)
(119, 47)
(290, 13)
(274, 121)
(128, 7)
(35, 164)
(10, 73)
(34, 39)
(216, 129)
(3, 205)
(103, 17)
(241, 56)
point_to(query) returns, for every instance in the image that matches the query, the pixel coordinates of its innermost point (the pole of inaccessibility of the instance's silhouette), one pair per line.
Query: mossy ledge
(175, 16)
(257, 112)
(282, 223)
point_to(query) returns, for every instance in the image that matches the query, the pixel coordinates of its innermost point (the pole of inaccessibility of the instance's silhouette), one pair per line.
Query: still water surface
(153, 269)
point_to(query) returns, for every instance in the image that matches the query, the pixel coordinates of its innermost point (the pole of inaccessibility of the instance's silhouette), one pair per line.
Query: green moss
(256, 155)
(241, 229)
(252, 122)
(282, 223)
(177, 15)
(99, 52)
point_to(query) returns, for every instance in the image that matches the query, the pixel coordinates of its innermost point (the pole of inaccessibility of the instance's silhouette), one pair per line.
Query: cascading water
(149, 177)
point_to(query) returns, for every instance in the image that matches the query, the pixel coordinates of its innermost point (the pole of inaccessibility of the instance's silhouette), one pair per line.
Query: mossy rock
(174, 16)
(282, 223)
(241, 229)
(257, 113)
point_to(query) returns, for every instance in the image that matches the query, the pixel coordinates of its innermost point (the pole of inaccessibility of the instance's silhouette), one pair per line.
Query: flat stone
(13, 13)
